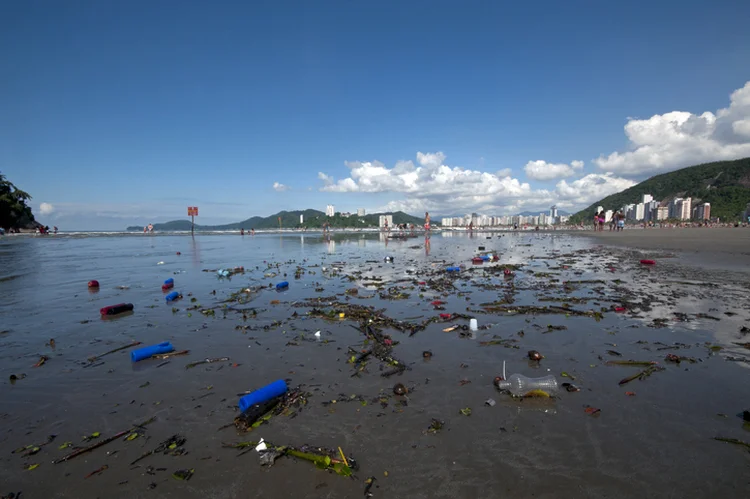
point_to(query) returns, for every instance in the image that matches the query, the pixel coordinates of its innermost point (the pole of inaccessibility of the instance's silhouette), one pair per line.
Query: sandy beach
(713, 247)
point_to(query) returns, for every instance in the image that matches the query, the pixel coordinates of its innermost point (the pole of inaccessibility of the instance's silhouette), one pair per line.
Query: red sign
(192, 211)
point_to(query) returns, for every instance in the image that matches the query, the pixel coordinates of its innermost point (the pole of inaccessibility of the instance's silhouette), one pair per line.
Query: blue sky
(120, 113)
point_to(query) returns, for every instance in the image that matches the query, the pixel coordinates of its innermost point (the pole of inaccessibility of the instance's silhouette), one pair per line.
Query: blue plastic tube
(146, 352)
(173, 296)
(282, 285)
(262, 394)
(169, 281)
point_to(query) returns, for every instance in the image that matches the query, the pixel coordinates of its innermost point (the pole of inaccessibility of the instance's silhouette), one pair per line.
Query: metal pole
(192, 226)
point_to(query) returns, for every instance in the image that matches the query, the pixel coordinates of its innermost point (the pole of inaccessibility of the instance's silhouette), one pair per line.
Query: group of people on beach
(616, 223)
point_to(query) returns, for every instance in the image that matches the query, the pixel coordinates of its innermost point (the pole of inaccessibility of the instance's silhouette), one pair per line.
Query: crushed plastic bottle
(519, 385)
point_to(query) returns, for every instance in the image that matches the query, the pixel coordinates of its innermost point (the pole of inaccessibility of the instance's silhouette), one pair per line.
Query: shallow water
(658, 443)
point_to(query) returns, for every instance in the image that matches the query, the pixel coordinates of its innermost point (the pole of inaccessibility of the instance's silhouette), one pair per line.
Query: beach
(714, 247)
(582, 300)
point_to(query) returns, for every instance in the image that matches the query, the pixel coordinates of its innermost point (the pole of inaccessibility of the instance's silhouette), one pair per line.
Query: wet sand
(658, 442)
(715, 247)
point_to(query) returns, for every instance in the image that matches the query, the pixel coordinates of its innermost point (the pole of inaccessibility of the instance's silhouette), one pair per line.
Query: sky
(124, 113)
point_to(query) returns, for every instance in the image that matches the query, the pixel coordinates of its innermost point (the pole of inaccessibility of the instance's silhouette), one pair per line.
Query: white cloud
(430, 159)
(674, 140)
(541, 170)
(280, 187)
(505, 172)
(435, 187)
(590, 188)
(46, 209)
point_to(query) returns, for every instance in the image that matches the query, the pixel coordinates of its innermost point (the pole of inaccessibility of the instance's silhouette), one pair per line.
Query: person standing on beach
(426, 221)
(620, 221)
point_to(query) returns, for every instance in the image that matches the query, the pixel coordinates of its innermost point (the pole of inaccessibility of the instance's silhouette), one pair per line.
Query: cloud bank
(430, 185)
(278, 187)
(674, 140)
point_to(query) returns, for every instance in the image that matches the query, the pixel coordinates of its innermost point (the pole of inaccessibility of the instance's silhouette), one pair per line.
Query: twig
(103, 442)
(96, 357)
(206, 361)
(91, 447)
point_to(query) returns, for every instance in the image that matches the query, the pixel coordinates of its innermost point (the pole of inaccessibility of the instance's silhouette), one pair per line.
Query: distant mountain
(724, 184)
(313, 219)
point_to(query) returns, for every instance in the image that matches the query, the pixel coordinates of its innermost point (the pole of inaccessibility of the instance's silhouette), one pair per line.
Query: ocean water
(658, 442)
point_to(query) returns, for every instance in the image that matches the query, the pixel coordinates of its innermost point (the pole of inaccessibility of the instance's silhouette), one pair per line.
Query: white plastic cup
(473, 324)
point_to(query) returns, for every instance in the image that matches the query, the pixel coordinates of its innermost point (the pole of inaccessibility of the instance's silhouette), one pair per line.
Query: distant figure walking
(252, 231)
(242, 231)
(426, 221)
(55, 228)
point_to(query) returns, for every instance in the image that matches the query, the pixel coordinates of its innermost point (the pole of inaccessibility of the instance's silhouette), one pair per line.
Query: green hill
(724, 184)
(313, 219)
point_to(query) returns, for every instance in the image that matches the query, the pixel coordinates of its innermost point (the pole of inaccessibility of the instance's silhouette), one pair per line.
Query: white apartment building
(330, 211)
(686, 209)
(360, 212)
(640, 212)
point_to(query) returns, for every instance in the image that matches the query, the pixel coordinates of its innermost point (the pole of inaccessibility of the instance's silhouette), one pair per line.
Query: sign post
(192, 213)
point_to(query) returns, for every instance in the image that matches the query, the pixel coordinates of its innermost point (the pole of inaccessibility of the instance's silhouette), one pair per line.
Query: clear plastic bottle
(519, 385)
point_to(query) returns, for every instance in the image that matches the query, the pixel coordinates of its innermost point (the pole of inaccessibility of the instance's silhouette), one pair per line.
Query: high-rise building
(674, 211)
(599, 209)
(608, 216)
(640, 212)
(686, 209)
(301, 218)
(360, 212)
(647, 198)
(703, 211)
(553, 213)
(662, 212)
(330, 211)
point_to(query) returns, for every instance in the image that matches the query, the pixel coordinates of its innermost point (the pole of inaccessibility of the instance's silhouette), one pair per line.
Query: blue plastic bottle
(282, 285)
(453, 269)
(146, 352)
(169, 281)
(173, 296)
(262, 394)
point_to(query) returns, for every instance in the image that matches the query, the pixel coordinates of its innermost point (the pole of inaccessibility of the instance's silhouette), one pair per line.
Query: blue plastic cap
(169, 281)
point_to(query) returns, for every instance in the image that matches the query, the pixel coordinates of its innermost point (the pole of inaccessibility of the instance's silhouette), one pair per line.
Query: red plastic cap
(94, 284)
